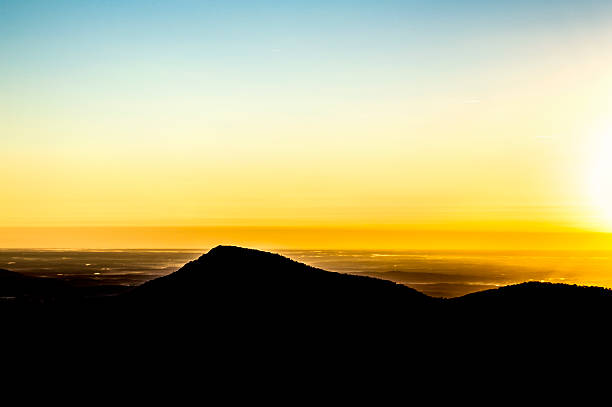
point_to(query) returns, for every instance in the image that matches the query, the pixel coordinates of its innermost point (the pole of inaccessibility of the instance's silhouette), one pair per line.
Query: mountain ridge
(249, 301)
(248, 265)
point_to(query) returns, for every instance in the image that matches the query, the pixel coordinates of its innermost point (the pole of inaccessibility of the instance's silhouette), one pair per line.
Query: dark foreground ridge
(235, 278)
(230, 278)
(240, 297)
(244, 316)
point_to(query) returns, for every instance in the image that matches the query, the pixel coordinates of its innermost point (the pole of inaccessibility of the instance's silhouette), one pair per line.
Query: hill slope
(247, 302)
(243, 285)
(235, 281)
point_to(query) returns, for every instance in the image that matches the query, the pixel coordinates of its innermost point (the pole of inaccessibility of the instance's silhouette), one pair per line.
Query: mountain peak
(232, 250)
(250, 277)
(229, 252)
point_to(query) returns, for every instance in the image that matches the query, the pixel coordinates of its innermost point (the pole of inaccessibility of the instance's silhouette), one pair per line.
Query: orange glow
(271, 238)
(288, 146)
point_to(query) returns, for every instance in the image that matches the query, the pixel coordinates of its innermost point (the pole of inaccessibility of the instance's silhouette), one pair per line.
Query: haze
(383, 124)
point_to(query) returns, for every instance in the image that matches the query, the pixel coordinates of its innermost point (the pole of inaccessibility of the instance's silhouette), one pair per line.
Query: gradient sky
(458, 115)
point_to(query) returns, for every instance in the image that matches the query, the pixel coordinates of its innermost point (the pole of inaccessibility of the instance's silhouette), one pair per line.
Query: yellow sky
(526, 157)
(507, 132)
(274, 238)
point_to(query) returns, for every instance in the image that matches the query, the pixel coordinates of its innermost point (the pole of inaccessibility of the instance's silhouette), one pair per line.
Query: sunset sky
(362, 123)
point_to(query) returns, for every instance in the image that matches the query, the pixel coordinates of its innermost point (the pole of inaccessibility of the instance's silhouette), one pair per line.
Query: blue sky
(334, 96)
(42, 36)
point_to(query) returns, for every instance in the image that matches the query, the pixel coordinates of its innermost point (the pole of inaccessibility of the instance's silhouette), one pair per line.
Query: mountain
(243, 307)
(539, 295)
(237, 288)
(255, 289)
(229, 275)
(234, 278)
(538, 307)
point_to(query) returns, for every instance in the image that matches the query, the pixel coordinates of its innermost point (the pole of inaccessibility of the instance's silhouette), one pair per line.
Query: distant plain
(436, 273)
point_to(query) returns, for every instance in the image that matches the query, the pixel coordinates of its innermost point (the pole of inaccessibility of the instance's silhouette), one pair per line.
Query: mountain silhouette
(243, 307)
(242, 291)
(229, 274)
(238, 290)
(230, 277)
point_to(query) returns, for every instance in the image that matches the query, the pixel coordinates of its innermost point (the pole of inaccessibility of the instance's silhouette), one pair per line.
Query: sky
(395, 116)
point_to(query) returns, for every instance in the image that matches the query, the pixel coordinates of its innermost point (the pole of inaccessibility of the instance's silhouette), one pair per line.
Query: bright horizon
(398, 125)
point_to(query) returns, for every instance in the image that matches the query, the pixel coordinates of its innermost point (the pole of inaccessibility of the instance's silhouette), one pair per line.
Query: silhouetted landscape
(249, 290)
(233, 313)
(424, 181)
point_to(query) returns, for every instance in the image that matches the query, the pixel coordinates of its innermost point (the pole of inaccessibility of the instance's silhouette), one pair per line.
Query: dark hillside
(236, 285)
(234, 293)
